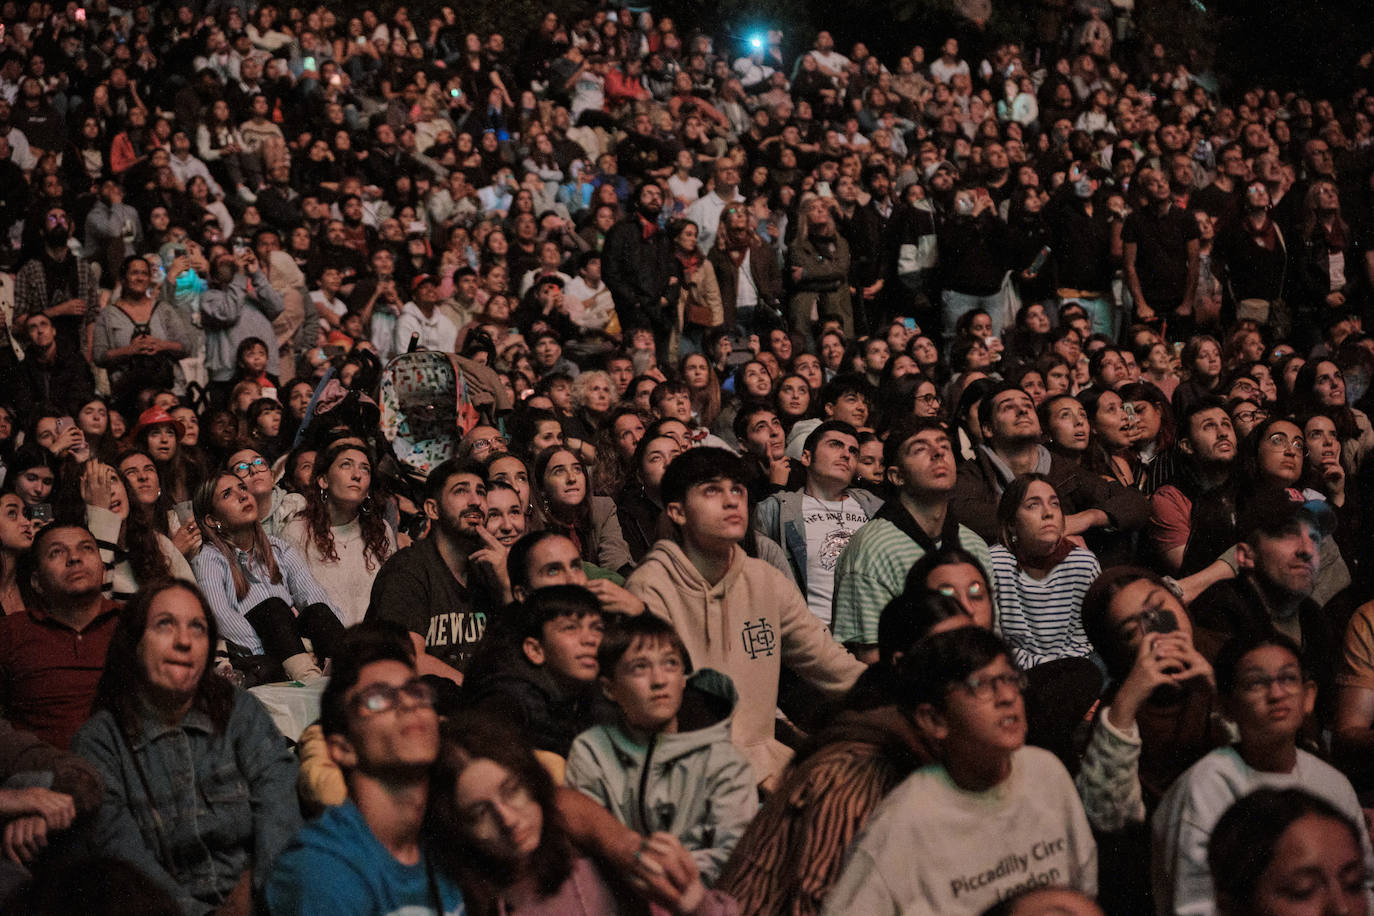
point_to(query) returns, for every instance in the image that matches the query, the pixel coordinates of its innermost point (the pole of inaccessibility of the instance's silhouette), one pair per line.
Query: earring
(324, 495)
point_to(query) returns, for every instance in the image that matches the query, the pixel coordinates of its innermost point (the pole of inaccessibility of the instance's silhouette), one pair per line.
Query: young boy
(669, 764)
(540, 670)
(992, 818)
(1267, 694)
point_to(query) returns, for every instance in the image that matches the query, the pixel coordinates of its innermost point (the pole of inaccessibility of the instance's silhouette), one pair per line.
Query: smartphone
(183, 511)
(80, 15)
(64, 424)
(456, 93)
(240, 246)
(362, 40)
(823, 188)
(1129, 410)
(41, 513)
(309, 63)
(909, 323)
(1159, 620)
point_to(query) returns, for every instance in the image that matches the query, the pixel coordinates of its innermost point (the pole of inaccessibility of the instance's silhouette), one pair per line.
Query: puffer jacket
(747, 626)
(691, 783)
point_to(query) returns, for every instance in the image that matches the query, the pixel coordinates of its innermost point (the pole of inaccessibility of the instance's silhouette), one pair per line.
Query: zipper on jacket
(644, 784)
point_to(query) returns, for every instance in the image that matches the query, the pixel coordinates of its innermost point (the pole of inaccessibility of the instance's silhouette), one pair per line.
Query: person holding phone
(973, 259)
(240, 303)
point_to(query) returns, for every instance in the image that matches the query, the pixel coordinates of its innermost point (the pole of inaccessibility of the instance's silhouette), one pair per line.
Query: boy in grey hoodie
(669, 765)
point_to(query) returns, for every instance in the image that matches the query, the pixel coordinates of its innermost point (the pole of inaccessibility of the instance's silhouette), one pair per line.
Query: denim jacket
(780, 517)
(221, 803)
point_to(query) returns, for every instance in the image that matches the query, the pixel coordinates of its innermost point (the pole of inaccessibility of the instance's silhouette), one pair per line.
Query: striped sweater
(1042, 619)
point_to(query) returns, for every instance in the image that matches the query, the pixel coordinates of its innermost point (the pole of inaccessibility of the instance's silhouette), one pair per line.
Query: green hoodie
(692, 783)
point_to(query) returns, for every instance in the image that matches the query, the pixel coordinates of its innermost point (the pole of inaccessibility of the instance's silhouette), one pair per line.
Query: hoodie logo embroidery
(759, 638)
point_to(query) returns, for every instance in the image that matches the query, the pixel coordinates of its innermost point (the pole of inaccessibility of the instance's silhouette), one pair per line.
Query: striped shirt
(872, 570)
(297, 588)
(1042, 619)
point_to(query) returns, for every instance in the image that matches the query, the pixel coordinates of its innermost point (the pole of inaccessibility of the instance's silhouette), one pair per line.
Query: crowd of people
(850, 484)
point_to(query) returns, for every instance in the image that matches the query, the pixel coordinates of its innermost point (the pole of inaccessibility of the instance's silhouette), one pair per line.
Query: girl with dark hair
(158, 434)
(342, 533)
(264, 427)
(1153, 434)
(568, 505)
(616, 442)
(1320, 388)
(492, 808)
(16, 537)
(276, 504)
(200, 790)
(1276, 840)
(31, 475)
(134, 552)
(703, 388)
(1109, 453)
(1040, 576)
(793, 400)
(255, 584)
(93, 418)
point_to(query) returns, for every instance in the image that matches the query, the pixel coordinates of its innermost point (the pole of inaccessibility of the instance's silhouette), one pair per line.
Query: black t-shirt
(416, 589)
(1161, 253)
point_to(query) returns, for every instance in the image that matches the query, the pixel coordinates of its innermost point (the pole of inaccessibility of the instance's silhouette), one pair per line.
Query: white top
(933, 848)
(1183, 823)
(829, 526)
(436, 332)
(347, 580)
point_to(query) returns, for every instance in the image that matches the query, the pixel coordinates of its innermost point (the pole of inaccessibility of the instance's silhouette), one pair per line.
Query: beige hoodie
(745, 626)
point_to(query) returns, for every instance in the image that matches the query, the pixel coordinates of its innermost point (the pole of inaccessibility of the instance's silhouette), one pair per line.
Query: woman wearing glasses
(200, 790)
(259, 588)
(342, 533)
(276, 506)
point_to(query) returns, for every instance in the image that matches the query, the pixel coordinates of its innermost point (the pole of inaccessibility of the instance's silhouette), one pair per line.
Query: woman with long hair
(159, 434)
(1201, 360)
(1331, 271)
(793, 400)
(566, 504)
(698, 306)
(616, 442)
(1320, 388)
(342, 534)
(703, 388)
(493, 813)
(1040, 575)
(93, 418)
(1110, 455)
(259, 587)
(1153, 434)
(134, 552)
(153, 505)
(16, 537)
(200, 789)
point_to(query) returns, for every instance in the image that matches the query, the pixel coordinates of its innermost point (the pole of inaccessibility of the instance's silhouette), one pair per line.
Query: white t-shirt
(335, 305)
(1183, 823)
(932, 848)
(829, 526)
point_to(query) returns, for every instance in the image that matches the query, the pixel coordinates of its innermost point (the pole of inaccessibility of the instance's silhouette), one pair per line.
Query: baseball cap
(1274, 511)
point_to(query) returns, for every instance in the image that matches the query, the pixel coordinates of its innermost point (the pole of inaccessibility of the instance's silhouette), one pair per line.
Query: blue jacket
(221, 802)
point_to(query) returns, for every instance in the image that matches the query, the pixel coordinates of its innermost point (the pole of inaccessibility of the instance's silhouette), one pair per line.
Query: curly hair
(376, 544)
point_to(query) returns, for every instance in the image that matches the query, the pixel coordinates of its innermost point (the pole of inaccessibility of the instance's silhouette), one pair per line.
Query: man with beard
(58, 284)
(638, 265)
(443, 589)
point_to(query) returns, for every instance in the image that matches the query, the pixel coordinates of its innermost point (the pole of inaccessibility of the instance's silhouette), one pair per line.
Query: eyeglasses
(1289, 682)
(245, 468)
(985, 688)
(376, 699)
(1284, 443)
(1250, 416)
(493, 442)
(511, 794)
(928, 398)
